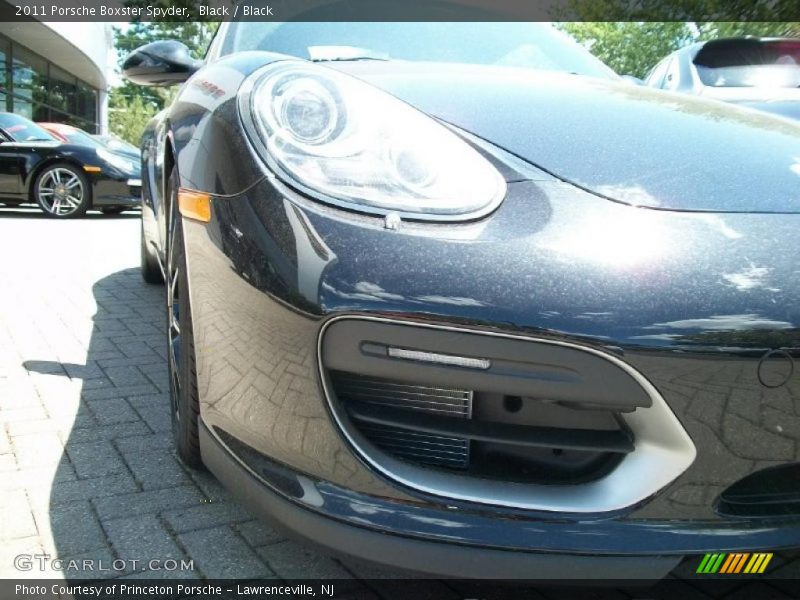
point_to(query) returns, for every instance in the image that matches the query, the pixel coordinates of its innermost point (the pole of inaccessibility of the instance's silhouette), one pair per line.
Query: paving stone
(210, 514)
(17, 518)
(69, 528)
(37, 476)
(120, 392)
(257, 533)
(110, 412)
(206, 546)
(143, 444)
(147, 502)
(30, 412)
(7, 463)
(67, 491)
(108, 432)
(92, 564)
(148, 400)
(22, 568)
(157, 470)
(37, 449)
(157, 417)
(291, 560)
(86, 371)
(5, 443)
(95, 459)
(143, 539)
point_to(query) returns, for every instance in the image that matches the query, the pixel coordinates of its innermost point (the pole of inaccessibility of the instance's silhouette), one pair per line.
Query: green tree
(627, 47)
(633, 48)
(128, 116)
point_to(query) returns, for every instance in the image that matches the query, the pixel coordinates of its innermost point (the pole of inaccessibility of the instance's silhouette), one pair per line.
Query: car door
(13, 163)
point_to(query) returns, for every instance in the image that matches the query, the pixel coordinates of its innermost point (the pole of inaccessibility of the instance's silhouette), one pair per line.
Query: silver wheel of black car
(180, 341)
(62, 191)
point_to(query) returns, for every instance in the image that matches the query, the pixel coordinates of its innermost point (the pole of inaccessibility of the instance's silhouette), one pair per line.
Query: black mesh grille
(416, 446)
(489, 435)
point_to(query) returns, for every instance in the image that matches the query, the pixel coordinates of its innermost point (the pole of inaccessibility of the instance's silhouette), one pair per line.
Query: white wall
(96, 42)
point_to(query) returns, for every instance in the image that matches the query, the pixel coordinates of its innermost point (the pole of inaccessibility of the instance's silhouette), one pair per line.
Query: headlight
(115, 160)
(351, 144)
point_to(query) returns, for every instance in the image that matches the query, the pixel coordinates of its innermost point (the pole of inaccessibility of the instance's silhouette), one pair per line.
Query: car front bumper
(108, 191)
(304, 517)
(657, 288)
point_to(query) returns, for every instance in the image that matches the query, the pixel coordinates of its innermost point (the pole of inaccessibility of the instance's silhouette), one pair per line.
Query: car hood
(627, 143)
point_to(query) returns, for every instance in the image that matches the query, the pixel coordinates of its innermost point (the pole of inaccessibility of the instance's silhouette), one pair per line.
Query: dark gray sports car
(453, 297)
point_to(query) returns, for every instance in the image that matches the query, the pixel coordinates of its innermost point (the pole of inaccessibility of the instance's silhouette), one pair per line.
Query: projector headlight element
(350, 144)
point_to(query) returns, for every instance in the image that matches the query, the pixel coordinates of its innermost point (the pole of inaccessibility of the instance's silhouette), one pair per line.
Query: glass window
(23, 130)
(63, 90)
(39, 90)
(29, 75)
(750, 63)
(5, 56)
(87, 107)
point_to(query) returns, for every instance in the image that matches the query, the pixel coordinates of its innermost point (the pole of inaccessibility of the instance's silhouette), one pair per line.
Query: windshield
(115, 143)
(77, 136)
(22, 130)
(522, 45)
(750, 63)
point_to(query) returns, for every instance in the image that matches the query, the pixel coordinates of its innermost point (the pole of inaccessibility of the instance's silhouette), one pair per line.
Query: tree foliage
(633, 48)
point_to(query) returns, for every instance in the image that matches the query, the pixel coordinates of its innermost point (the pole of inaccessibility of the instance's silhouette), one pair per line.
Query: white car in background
(762, 73)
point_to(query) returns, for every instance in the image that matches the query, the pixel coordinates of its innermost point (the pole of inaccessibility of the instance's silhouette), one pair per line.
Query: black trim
(502, 433)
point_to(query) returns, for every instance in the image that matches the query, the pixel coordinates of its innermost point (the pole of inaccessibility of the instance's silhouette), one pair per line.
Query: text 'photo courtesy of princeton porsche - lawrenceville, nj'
(399, 299)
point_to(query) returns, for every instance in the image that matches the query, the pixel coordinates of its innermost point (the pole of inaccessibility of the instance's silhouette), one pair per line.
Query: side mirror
(632, 80)
(160, 64)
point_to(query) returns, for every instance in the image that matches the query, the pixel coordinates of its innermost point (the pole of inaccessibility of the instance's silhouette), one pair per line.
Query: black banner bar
(399, 10)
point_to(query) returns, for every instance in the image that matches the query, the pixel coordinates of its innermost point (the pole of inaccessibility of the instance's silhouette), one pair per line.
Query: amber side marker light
(91, 169)
(194, 205)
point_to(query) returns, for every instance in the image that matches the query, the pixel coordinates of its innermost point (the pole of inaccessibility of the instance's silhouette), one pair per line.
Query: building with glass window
(56, 72)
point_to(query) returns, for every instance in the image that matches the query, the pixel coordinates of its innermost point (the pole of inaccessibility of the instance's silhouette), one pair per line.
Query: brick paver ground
(86, 462)
(87, 468)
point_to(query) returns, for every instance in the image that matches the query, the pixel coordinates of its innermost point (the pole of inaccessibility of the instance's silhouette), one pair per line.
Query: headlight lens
(352, 144)
(115, 160)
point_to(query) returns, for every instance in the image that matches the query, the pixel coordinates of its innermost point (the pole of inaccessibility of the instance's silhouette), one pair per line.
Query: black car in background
(758, 73)
(69, 134)
(65, 180)
(455, 298)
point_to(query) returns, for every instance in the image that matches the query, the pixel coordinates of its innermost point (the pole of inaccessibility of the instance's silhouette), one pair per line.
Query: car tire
(62, 191)
(151, 271)
(112, 210)
(185, 405)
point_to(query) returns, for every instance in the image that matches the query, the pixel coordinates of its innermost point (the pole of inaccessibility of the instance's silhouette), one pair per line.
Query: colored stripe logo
(734, 562)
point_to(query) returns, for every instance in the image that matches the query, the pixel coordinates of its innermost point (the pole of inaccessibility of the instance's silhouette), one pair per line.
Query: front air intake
(412, 401)
(499, 419)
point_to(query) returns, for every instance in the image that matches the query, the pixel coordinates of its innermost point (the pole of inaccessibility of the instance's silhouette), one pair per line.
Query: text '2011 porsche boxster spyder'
(455, 298)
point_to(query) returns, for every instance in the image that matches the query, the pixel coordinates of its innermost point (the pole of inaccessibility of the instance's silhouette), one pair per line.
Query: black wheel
(180, 341)
(62, 191)
(151, 272)
(112, 210)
